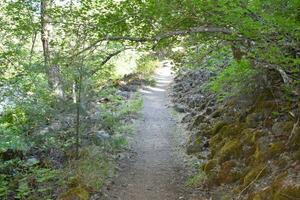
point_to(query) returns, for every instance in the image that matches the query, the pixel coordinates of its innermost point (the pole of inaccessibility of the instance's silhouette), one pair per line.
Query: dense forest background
(60, 81)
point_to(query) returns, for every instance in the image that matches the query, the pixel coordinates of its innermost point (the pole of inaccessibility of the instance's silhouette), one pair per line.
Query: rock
(129, 88)
(231, 149)
(187, 118)
(282, 128)
(179, 108)
(253, 120)
(228, 174)
(195, 143)
(124, 94)
(101, 137)
(194, 147)
(197, 121)
(32, 161)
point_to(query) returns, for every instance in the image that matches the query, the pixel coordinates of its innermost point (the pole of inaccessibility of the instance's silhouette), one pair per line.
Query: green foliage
(26, 180)
(117, 110)
(266, 32)
(232, 79)
(90, 170)
(197, 179)
(146, 65)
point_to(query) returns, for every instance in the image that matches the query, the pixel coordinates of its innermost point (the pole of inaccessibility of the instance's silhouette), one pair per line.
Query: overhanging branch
(157, 38)
(108, 58)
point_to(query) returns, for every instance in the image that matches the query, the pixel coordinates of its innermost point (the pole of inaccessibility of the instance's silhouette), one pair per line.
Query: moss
(78, 193)
(264, 194)
(288, 126)
(275, 149)
(210, 165)
(247, 135)
(255, 173)
(232, 129)
(218, 127)
(197, 121)
(227, 174)
(288, 192)
(258, 155)
(262, 105)
(282, 162)
(284, 189)
(231, 149)
(295, 139)
(283, 128)
(254, 119)
(296, 155)
(74, 181)
(215, 143)
(277, 182)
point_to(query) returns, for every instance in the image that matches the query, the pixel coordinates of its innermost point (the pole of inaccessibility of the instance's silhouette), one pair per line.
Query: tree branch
(157, 38)
(202, 29)
(108, 58)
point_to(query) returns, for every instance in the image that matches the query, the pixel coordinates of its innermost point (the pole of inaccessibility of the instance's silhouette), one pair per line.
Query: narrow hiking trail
(156, 171)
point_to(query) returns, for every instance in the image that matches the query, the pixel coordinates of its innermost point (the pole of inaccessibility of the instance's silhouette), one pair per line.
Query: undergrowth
(146, 65)
(232, 79)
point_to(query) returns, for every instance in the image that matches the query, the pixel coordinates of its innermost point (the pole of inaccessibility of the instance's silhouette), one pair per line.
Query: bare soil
(155, 170)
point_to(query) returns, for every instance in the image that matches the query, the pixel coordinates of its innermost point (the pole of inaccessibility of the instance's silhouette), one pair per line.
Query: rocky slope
(249, 143)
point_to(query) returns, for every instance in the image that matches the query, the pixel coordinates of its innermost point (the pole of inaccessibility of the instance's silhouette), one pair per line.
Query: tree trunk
(53, 71)
(78, 106)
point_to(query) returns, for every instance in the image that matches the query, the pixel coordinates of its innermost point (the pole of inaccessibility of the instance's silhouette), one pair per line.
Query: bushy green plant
(232, 79)
(90, 170)
(118, 109)
(31, 180)
(146, 65)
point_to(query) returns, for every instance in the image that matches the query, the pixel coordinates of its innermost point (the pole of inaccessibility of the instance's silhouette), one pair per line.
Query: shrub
(147, 65)
(234, 78)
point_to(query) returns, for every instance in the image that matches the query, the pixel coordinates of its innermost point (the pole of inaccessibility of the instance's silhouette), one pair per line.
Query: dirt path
(155, 172)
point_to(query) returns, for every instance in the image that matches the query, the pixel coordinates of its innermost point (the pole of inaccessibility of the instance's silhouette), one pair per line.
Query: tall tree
(53, 71)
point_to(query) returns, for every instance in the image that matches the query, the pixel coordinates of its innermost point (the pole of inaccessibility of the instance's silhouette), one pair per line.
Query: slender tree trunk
(74, 95)
(78, 106)
(53, 71)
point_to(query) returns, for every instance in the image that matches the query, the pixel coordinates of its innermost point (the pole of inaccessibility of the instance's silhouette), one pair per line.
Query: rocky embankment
(249, 143)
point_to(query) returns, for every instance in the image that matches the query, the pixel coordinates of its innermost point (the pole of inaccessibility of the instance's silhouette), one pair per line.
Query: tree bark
(78, 106)
(53, 71)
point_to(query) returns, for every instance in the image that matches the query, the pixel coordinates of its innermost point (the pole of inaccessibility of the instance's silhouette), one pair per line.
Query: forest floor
(155, 168)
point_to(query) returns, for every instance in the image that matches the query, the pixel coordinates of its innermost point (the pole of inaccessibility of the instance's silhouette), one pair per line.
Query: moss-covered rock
(218, 127)
(210, 165)
(253, 120)
(288, 192)
(247, 136)
(254, 173)
(275, 149)
(231, 149)
(78, 193)
(264, 194)
(196, 121)
(294, 140)
(227, 174)
(258, 156)
(232, 129)
(283, 128)
(194, 145)
(215, 143)
(278, 180)
(296, 155)
(266, 106)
